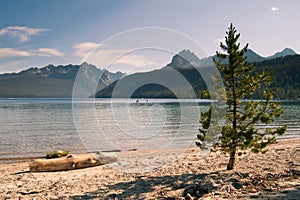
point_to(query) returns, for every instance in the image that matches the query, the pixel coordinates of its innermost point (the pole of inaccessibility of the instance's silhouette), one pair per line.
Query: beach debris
(56, 154)
(198, 190)
(296, 169)
(70, 162)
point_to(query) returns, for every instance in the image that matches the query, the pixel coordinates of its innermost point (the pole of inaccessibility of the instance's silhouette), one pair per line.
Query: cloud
(104, 57)
(84, 48)
(45, 52)
(23, 33)
(274, 8)
(219, 40)
(48, 52)
(129, 63)
(10, 52)
(13, 66)
(135, 60)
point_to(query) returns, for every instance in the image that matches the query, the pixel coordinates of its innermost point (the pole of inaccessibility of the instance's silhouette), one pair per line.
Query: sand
(158, 175)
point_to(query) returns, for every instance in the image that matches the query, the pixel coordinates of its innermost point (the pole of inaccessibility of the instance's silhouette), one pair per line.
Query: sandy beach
(274, 175)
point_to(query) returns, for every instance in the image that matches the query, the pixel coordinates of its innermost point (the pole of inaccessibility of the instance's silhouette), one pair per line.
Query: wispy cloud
(48, 52)
(11, 52)
(275, 8)
(22, 33)
(84, 48)
(12, 66)
(118, 56)
(115, 58)
(135, 60)
(44, 52)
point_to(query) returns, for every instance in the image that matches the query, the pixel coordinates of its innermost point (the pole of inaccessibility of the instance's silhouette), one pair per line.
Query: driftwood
(70, 162)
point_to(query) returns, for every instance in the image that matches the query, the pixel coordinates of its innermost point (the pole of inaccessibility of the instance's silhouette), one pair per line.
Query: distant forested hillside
(286, 72)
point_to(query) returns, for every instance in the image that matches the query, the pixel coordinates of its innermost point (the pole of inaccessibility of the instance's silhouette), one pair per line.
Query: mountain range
(252, 56)
(58, 81)
(53, 81)
(284, 65)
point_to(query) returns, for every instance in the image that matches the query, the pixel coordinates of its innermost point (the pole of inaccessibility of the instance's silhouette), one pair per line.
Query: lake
(32, 127)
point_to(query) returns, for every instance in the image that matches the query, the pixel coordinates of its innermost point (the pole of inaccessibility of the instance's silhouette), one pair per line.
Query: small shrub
(56, 154)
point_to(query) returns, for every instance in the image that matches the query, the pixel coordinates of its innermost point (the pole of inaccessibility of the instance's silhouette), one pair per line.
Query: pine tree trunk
(231, 160)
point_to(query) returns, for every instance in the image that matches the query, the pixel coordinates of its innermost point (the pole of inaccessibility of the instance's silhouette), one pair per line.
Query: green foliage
(56, 154)
(205, 121)
(242, 80)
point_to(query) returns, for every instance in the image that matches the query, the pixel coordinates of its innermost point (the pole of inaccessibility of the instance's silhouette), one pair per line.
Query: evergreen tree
(240, 79)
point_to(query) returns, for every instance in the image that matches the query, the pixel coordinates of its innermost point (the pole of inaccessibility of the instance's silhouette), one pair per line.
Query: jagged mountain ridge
(283, 53)
(287, 87)
(58, 81)
(52, 81)
(252, 56)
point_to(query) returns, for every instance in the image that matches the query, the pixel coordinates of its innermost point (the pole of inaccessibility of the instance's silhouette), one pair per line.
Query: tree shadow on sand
(194, 185)
(135, 189)
(188, 186)
(293, 194)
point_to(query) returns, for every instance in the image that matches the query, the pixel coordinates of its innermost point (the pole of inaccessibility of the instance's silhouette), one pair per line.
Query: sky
(36, 33)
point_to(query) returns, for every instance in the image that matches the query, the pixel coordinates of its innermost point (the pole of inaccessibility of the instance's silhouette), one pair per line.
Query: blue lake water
(32, 127)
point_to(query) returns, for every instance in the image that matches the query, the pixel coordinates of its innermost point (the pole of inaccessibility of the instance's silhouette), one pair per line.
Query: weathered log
(69, 162)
